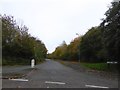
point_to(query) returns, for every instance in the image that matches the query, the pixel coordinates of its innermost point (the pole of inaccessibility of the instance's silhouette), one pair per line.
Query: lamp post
(79, 48)
(34, 52)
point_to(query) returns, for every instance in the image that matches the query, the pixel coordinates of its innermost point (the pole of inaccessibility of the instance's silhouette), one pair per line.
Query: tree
(111, 31)
(67, 52)
(73, 49)
(18, 46)
(100, 43)
(91, 48)
(60, 51)
(39, 50)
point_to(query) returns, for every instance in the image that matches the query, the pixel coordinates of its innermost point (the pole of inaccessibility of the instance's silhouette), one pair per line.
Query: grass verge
(10, 61)
(100, 66)
(96, 66)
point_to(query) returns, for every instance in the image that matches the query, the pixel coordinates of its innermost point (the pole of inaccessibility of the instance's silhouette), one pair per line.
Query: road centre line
(96, 86)
(54, 82)
(19, 80)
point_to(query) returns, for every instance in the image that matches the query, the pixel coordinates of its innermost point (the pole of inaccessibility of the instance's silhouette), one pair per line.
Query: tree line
(99, 44)
(18, 46)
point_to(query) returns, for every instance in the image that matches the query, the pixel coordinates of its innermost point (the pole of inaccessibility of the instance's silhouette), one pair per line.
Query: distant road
(52, 74)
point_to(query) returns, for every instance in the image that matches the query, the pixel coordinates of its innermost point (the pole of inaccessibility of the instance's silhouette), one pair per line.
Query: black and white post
(32, 63)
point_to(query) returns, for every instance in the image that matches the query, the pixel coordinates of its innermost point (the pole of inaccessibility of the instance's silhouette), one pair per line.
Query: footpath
(9, 72)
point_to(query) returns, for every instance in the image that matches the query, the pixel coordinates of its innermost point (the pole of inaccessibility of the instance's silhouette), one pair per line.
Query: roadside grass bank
(19, 61)
(93, 66)
(101, 66)
(15, 61)
(97, 69)
(96, 66)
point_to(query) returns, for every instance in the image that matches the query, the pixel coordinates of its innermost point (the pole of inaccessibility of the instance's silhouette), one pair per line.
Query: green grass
(96, 66)
(13, 61)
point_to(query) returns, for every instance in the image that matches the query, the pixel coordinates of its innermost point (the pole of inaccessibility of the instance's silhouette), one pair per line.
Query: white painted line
(54, 82)
(96, 86)
(19, 80)
(48, 87)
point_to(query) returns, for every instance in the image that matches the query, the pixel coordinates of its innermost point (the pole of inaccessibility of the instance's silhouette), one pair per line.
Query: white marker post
(32, 63)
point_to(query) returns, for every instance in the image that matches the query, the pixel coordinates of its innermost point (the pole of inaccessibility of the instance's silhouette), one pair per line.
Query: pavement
(53, 74)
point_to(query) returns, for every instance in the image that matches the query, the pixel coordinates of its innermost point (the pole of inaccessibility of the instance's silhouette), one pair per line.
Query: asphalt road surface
(52, 74)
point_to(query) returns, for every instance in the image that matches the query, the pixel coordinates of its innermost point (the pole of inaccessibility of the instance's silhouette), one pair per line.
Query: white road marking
(96, 86)
(19, 80)
(47, 86)
(18, 86)
(54, 82)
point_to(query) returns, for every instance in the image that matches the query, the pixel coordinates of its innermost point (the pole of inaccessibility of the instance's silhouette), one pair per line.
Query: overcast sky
(54, 21)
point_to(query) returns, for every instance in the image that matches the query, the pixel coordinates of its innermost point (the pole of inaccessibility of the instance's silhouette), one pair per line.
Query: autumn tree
(18, 46)
(67, 52)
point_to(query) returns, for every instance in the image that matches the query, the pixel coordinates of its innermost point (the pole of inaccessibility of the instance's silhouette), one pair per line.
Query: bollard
(32, 63)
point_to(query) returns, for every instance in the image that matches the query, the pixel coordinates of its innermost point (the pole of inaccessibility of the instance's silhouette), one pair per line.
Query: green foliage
(101, 66)
(0, 45)
(40, 51)
(17, 45)
(99, 44)
(111, 31)
(97, 66)
(102, 43)
(91, 47)
(15, 61)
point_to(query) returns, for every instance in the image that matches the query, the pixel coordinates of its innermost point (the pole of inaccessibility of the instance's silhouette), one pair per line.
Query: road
(52, 74)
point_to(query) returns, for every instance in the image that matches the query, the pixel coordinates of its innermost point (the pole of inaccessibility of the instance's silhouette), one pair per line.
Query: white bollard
(32, 63)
